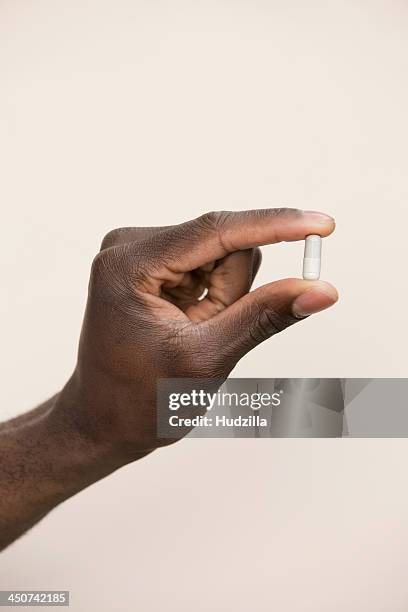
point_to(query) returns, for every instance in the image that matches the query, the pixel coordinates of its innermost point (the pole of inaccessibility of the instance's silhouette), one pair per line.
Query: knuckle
(112, 237)
(108, 279)
(215, 219)
(125, 262)
(124, 235)
(214, 223)
(267, 322)
(209, 219)
(98, 265)
(99, 269)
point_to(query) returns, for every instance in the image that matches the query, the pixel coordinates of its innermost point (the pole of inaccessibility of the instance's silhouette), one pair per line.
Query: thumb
(265, 312)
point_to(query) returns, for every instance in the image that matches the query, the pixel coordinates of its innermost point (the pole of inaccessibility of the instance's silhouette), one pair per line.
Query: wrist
(91, 429)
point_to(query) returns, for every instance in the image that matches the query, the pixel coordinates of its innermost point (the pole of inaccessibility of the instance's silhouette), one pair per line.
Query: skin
(145, 320)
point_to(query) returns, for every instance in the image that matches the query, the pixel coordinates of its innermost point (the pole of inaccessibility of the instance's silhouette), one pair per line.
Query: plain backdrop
(129, 112)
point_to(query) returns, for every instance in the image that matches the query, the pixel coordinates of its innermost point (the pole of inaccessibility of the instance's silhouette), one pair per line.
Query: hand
(147, 316)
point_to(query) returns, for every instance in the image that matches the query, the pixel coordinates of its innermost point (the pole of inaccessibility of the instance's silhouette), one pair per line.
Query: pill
(312, 257)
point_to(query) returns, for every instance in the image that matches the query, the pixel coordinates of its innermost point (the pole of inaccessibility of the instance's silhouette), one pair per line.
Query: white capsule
(312, 257)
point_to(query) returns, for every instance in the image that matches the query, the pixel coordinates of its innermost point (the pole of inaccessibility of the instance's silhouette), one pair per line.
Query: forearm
(44, 459)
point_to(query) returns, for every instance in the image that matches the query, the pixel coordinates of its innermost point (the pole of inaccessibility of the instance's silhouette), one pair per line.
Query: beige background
(126, 112)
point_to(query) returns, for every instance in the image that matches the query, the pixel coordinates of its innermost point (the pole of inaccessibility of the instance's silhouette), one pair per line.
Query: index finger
(212, 236)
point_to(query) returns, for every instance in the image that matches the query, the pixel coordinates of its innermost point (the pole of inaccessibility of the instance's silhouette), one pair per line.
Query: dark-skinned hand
(170, 302)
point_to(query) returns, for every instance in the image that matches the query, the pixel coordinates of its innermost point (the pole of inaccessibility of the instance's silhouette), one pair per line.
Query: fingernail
(319, 216)
(312, 301)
